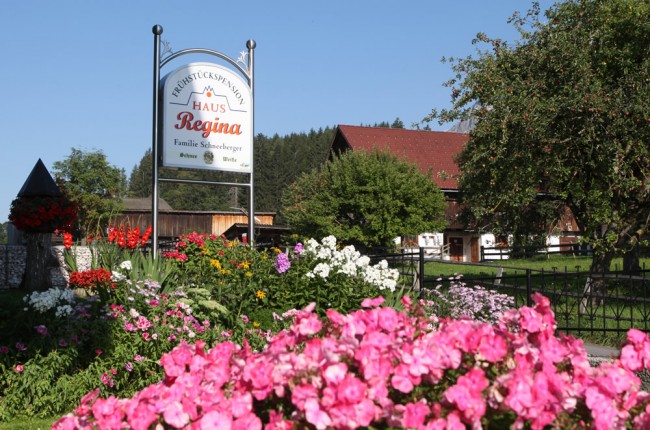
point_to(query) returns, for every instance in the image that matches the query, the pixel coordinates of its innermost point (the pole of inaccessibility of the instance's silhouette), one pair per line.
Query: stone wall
(13, 261)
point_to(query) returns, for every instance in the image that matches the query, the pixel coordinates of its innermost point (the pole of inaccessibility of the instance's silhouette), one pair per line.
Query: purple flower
(41, 329)
(21, 346)
(282, 263)
(4, 349)
(299, 248)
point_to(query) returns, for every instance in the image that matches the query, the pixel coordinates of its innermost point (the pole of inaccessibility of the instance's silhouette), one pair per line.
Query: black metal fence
(583, 302)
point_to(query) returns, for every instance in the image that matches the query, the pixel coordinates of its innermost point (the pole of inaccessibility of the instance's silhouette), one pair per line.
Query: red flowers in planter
(43, 214)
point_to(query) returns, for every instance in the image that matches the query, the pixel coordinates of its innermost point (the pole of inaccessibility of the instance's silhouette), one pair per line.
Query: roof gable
(435, 150)
(144, 203)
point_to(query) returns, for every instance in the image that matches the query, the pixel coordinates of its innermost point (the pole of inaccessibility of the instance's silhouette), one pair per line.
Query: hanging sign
(207, 119)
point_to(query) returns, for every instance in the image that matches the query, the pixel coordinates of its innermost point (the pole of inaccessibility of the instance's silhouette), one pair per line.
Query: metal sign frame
(248, 74)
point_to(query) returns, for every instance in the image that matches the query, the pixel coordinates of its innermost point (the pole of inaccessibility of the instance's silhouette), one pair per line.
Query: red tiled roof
(426, 149)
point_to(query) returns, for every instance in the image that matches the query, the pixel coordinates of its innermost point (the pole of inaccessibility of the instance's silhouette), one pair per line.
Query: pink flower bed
(380, 367)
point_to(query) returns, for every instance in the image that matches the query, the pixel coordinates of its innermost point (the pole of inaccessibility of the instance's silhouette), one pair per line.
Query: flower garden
(217, 334)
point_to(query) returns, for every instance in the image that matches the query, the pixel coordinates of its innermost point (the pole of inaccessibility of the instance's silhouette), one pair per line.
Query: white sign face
(207, 119)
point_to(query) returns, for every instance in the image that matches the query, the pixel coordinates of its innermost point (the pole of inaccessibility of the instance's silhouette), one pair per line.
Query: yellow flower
(246, 264)
(248, 274)
(256, 324)
(216, 264)
(260, 294)
(276, 250)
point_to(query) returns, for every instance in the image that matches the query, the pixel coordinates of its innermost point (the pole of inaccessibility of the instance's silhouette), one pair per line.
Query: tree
(564, 113)
(364, 199)
(398, 123)
(295, 153)
(141, 181)
(88, 179)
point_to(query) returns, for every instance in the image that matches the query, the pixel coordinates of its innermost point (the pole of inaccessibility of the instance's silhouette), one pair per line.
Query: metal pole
(251, 190)
(157, 31)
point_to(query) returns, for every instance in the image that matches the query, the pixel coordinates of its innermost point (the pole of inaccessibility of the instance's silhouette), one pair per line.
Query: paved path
(601, 351)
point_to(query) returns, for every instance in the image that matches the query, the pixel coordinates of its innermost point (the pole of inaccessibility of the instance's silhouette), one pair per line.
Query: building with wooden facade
(173, 223)
(435, 152)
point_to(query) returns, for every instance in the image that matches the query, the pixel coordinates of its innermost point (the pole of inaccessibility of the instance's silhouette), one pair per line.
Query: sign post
(206, 118)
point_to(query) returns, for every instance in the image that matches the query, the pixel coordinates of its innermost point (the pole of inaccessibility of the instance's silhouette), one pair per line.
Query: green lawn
(514, 266)
(28, 424)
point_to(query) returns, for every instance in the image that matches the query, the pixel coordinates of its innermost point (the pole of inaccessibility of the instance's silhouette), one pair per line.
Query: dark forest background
(278, 161)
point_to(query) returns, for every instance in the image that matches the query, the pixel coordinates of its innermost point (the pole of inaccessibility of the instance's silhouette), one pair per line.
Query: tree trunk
(39, 257)
(596, 286)
(601, 262)
(631, 263)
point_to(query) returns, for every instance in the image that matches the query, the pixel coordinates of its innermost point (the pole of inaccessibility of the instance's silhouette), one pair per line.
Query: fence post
(529, 288)
(482, 253)
(421, 269)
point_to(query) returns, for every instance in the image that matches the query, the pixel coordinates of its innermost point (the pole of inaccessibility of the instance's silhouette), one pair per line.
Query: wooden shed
(173, 223)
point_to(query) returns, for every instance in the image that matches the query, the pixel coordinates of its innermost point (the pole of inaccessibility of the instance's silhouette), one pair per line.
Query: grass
(561, 263)
(28, 424)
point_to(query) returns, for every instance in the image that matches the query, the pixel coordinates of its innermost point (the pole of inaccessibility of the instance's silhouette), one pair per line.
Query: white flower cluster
(58, 298)
(348, 261)
(125, 267)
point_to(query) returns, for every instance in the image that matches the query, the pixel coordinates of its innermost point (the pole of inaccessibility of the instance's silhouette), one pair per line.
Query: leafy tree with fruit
(564, 113)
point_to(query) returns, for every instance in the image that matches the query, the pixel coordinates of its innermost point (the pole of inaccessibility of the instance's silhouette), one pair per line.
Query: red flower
(67, 240)
(145, 236)
(43, 214)
(128, 238)
(97, 279)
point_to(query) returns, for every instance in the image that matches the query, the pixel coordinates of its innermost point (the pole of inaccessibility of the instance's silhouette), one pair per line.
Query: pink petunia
(316, 416)
(372, 303)
(467, 396)
(215, 420)
(415, 415)
(351, 390)
(175, 416)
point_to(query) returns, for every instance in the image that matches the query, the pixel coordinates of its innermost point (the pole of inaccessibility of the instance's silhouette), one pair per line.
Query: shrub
(258, 284)
(460, 300)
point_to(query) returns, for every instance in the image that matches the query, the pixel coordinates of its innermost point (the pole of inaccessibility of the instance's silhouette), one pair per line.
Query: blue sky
(78, 74)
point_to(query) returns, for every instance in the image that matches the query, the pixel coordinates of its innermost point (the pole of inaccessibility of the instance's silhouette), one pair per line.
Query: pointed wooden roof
(40, 183)
(426, 149)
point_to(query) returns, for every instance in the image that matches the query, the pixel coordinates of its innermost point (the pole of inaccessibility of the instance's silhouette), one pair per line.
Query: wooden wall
(175, 223)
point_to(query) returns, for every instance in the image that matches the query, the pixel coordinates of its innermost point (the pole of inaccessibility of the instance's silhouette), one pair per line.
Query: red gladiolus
(145, 236)
(67, 240)
(128, 238)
